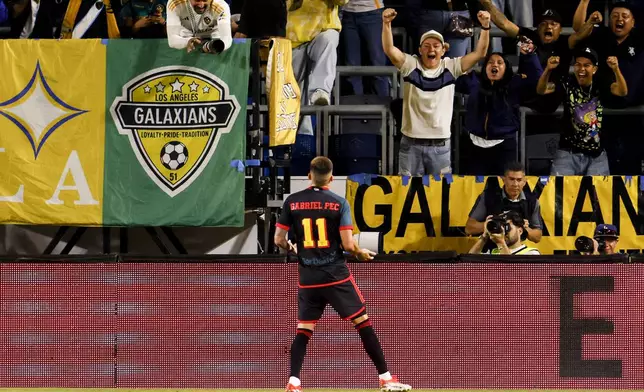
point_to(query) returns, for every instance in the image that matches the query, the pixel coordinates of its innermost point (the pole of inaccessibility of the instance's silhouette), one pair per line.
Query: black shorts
(344, 297)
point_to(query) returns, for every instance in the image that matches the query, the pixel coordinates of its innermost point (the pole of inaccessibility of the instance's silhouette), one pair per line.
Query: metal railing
(323, 128)
(387, 129)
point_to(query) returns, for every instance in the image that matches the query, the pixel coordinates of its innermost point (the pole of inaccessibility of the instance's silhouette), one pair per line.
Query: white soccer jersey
(184, 23)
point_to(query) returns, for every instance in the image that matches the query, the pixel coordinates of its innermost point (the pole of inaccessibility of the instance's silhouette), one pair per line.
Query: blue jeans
(422, 21)
(568, 163)
(417, 157)
(358, 29)
(314, 68)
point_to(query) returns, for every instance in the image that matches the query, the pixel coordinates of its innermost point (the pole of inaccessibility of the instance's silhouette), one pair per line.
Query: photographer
(507, 233)
(203, 24)
(512, 197)
(604, 242)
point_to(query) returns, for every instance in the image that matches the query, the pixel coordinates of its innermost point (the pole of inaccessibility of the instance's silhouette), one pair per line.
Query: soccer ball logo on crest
(174, 155)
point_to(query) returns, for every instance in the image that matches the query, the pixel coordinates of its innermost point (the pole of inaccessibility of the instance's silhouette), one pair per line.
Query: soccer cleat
(292, 388)
(393, 385)
(320, 98)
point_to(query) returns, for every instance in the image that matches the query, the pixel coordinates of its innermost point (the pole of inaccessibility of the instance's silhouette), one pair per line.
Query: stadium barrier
(142, 144)
(222, 322)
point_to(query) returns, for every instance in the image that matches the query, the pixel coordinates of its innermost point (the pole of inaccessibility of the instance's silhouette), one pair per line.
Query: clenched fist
(484, 18)
(526, 46)
(553, 62)
(612, 62)
(388, 15)
(595, 18)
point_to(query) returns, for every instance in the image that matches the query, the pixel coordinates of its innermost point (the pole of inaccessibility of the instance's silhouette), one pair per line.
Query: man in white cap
(428, 102)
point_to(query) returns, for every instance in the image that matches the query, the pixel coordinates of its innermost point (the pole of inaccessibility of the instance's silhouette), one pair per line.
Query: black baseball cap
(550, 14)
(588, 53)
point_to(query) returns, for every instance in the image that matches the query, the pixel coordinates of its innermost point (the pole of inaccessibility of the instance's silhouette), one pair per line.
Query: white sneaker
(393, 385)
(320, 98)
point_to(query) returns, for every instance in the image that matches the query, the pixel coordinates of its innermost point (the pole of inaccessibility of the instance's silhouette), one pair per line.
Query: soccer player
(320, 223)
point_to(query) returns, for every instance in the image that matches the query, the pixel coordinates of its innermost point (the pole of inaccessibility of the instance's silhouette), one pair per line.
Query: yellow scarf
(72, 13)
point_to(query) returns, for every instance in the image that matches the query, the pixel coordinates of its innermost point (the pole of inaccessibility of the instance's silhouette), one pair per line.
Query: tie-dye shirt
(583, 112)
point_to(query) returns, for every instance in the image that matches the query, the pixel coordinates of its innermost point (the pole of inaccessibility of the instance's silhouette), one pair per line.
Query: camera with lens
(586, 244)
(498, 224)
(213, 45)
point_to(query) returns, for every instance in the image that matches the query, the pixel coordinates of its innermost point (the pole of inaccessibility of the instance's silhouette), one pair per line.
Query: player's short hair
(321, 169)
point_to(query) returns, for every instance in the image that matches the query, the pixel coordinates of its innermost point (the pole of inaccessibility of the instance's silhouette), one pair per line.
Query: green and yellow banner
(121, 133)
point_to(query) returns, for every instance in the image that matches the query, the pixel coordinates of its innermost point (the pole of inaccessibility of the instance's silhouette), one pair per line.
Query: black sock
(298, 350)
(372, 346)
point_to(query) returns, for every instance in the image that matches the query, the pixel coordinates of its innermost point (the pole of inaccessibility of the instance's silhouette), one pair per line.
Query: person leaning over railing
(493, 117)
(580, 150)
(507, 233)
(428, 102)
(203, 24)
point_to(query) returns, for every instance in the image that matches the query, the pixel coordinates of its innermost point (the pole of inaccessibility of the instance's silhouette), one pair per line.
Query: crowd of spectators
(606, 58)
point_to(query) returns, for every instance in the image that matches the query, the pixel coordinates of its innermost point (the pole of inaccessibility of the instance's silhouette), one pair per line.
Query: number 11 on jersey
(323, 238)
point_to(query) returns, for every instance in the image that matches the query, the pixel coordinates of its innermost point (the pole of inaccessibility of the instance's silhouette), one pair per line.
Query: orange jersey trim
(355, 286)
(281, 226)
(317, 286)
(342, 228)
